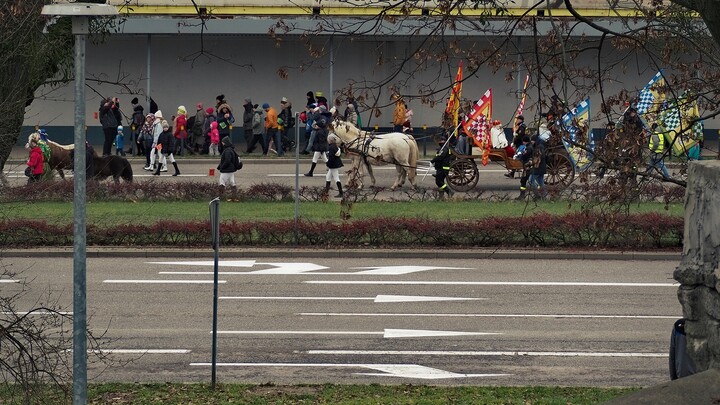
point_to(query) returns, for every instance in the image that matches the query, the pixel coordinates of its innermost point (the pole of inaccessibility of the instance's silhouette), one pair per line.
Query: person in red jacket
(35, 163)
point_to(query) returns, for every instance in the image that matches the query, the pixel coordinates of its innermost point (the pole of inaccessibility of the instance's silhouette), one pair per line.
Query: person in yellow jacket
(272, 132)
(399, 114)
(657, 152)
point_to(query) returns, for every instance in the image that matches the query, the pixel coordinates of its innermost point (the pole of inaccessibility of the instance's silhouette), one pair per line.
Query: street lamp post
(80, 13)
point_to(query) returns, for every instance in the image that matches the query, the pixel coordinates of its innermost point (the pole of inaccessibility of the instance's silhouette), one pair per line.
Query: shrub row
(633, 231)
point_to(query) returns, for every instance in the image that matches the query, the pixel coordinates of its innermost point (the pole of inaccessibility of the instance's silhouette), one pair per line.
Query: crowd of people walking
(214, 130)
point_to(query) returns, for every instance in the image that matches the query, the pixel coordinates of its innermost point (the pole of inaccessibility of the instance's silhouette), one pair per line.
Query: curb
(498, 254)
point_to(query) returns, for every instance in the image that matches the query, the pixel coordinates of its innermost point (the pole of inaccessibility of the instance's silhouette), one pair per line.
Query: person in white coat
(157, 130)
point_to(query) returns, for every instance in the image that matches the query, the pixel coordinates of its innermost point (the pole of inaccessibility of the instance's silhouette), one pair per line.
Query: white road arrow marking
(484, 353)
(289, 268)
(223, 263)
(420, 298)
(508, 283)
(377, 299)
(140, 351)
(580, 316)
(386, 370)
(399, 270)
(387, 333)
(405, 333)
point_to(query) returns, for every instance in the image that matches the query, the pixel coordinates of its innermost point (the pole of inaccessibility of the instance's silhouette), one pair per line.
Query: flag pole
(445, 144)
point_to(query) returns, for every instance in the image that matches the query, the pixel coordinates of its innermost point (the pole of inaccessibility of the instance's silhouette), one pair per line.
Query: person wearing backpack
(286, 120)
(539, 168)
(229, 163)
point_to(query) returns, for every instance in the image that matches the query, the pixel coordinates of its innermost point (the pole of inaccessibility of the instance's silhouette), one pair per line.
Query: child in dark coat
(334, 163)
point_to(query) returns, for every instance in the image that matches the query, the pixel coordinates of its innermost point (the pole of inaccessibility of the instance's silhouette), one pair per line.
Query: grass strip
(114, 212)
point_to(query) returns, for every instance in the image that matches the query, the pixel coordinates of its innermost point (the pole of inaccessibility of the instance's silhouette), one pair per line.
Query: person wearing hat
(524, 153)
(286, 121)
(180, 130)
(319, 137)
(136, 123)
(209, 119)
(248, 113)
(518, 135)
(120, 142)
(271, 129)
(441, 161)
(166, 146)
(321, 100)
(35, 162)
(157, 129)
(225, 119)
(227, 166)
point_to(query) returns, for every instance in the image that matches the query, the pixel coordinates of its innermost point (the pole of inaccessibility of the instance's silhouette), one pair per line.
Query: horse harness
(362, 146)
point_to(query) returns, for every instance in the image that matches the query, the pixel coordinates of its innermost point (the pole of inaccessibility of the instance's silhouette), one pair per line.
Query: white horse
(367, 149)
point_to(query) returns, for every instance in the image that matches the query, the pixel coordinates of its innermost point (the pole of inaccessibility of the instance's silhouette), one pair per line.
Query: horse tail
(414, 156)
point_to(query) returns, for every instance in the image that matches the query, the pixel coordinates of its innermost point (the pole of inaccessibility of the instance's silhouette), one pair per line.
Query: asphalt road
(282, 170)
(387, 321)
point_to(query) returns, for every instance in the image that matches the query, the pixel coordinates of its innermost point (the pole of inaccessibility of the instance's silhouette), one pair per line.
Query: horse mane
(63, 147)
(36, 136)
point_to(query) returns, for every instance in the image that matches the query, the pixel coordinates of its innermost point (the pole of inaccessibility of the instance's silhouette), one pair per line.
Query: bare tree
(35, 343)
(663, 35)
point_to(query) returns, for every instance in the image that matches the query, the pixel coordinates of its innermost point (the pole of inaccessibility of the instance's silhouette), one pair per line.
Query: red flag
(477, 124)
(453, 105)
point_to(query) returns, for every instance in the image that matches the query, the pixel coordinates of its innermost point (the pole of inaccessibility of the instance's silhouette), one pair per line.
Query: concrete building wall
(241, 66)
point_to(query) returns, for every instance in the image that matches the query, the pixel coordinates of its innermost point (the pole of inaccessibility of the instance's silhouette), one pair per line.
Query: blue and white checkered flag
(647, 96)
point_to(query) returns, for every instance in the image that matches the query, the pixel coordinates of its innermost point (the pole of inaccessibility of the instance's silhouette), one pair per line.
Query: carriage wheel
(560, 171)
(463, 175)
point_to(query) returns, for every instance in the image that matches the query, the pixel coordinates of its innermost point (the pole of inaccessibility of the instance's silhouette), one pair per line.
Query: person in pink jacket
(214, 138)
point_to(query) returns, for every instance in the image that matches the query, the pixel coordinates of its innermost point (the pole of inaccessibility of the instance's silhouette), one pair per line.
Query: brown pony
(112, 166)
(59, 154)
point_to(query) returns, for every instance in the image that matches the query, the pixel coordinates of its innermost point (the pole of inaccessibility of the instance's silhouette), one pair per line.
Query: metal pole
(215, 227)
(149, 43)
(80, 29)
(332, 68)
(297, 172)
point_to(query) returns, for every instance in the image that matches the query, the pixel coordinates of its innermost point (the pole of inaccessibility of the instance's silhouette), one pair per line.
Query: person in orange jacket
(271, 128)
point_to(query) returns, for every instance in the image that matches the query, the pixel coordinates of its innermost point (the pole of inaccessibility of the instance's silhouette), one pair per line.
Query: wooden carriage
(464, 174)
